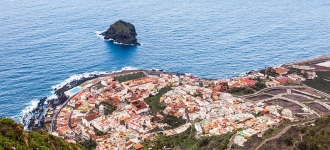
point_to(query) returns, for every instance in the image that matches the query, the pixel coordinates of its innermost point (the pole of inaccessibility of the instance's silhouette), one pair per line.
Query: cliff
(13, 136)
(121, 32)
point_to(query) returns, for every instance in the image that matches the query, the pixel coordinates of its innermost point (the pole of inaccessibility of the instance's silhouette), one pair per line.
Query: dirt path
(231, 141)
(281, 133)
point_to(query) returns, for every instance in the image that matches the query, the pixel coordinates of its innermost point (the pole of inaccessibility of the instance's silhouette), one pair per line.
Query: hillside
(188, 141)
(13, 136)
(304, 137)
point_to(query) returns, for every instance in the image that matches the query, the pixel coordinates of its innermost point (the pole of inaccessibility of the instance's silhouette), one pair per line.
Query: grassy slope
(12, 136)
(313, 137)
(187, 141)
(317, 137)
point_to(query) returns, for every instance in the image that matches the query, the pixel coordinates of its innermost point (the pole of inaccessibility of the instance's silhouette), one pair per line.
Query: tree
(303, 130)
(288, 141)
(303, 145)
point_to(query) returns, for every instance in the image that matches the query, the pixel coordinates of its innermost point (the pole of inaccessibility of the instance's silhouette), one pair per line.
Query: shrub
(288, 141)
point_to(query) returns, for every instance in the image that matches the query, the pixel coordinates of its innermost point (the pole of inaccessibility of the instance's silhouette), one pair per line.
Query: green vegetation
(321, 82)
(288, 141)
(200, 94)
(89, 144)
(130, 77)
(157, 106)
(241, 91)
(98, 132)
(173, 121)
(153, 101)
(155, 130)
(99, 86)
(12, 136)
(108, 109)
(294, 70)
(122, 27)
(187, 140)
(259, 86)
(269, 72)
(316, 137)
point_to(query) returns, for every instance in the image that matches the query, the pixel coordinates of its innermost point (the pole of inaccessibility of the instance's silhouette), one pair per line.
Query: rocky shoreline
(34, 121)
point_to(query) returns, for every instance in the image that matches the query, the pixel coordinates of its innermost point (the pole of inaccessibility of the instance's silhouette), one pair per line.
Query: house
(309, 74)
(246, 82)
(282, 80)
(295, 77)
(86, 121)
(281, 70)
(140, 106)
(138, 146)
(114, 101)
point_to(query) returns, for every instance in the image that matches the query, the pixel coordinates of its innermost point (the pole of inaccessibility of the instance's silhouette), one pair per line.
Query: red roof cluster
(283, 79)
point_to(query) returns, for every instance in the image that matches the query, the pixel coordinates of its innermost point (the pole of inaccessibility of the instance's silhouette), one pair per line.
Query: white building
(101, 110)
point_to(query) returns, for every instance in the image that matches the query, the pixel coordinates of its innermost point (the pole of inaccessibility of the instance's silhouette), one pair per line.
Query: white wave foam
(121, 43)
(26, 113)
(33, 104)
(98, 33)
(76, 77)
(127, 68)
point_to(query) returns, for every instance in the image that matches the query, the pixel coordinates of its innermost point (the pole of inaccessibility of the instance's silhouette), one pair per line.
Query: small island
(121, 32)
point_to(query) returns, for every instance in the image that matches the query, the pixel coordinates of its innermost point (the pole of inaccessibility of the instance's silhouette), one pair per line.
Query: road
(54, 118)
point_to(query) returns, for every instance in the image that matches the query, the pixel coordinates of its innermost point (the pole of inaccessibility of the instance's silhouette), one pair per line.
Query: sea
(44, 44)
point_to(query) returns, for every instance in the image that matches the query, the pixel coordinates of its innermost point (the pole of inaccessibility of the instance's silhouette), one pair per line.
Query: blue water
(42, 43)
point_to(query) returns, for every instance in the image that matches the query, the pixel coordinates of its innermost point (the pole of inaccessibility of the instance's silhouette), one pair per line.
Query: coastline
(33, 123)
(61, 116)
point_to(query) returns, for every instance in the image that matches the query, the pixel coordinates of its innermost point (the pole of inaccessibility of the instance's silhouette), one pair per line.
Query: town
(123, 110)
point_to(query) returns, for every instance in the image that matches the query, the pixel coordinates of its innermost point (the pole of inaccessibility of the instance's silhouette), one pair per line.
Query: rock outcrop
(121, 32)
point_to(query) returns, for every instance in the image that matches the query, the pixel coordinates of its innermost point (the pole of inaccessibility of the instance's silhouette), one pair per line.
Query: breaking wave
(26, 113)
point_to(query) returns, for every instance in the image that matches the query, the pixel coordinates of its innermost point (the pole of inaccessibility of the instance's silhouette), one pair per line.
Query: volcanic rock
(121, 32)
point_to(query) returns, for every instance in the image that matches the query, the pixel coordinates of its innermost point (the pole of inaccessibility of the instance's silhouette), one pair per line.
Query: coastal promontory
(121, 32)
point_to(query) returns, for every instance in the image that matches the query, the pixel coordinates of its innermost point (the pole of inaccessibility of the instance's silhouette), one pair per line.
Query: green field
(130, 77)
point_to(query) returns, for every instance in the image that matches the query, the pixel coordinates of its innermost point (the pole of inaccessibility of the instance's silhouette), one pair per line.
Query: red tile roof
(283, 79)
(281, 70)
(93, 116)
(247, 81)
(138, 105)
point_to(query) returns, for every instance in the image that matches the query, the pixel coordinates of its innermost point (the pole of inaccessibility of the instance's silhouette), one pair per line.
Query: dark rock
(121, 32)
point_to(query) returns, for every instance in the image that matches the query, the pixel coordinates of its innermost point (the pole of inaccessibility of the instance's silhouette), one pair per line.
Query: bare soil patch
(259, 97)
(276, 91)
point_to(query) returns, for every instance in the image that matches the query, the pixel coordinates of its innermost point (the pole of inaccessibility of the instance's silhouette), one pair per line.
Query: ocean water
(44, 43)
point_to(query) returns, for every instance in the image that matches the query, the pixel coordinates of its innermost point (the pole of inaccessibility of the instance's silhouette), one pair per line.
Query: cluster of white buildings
(192, 99)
